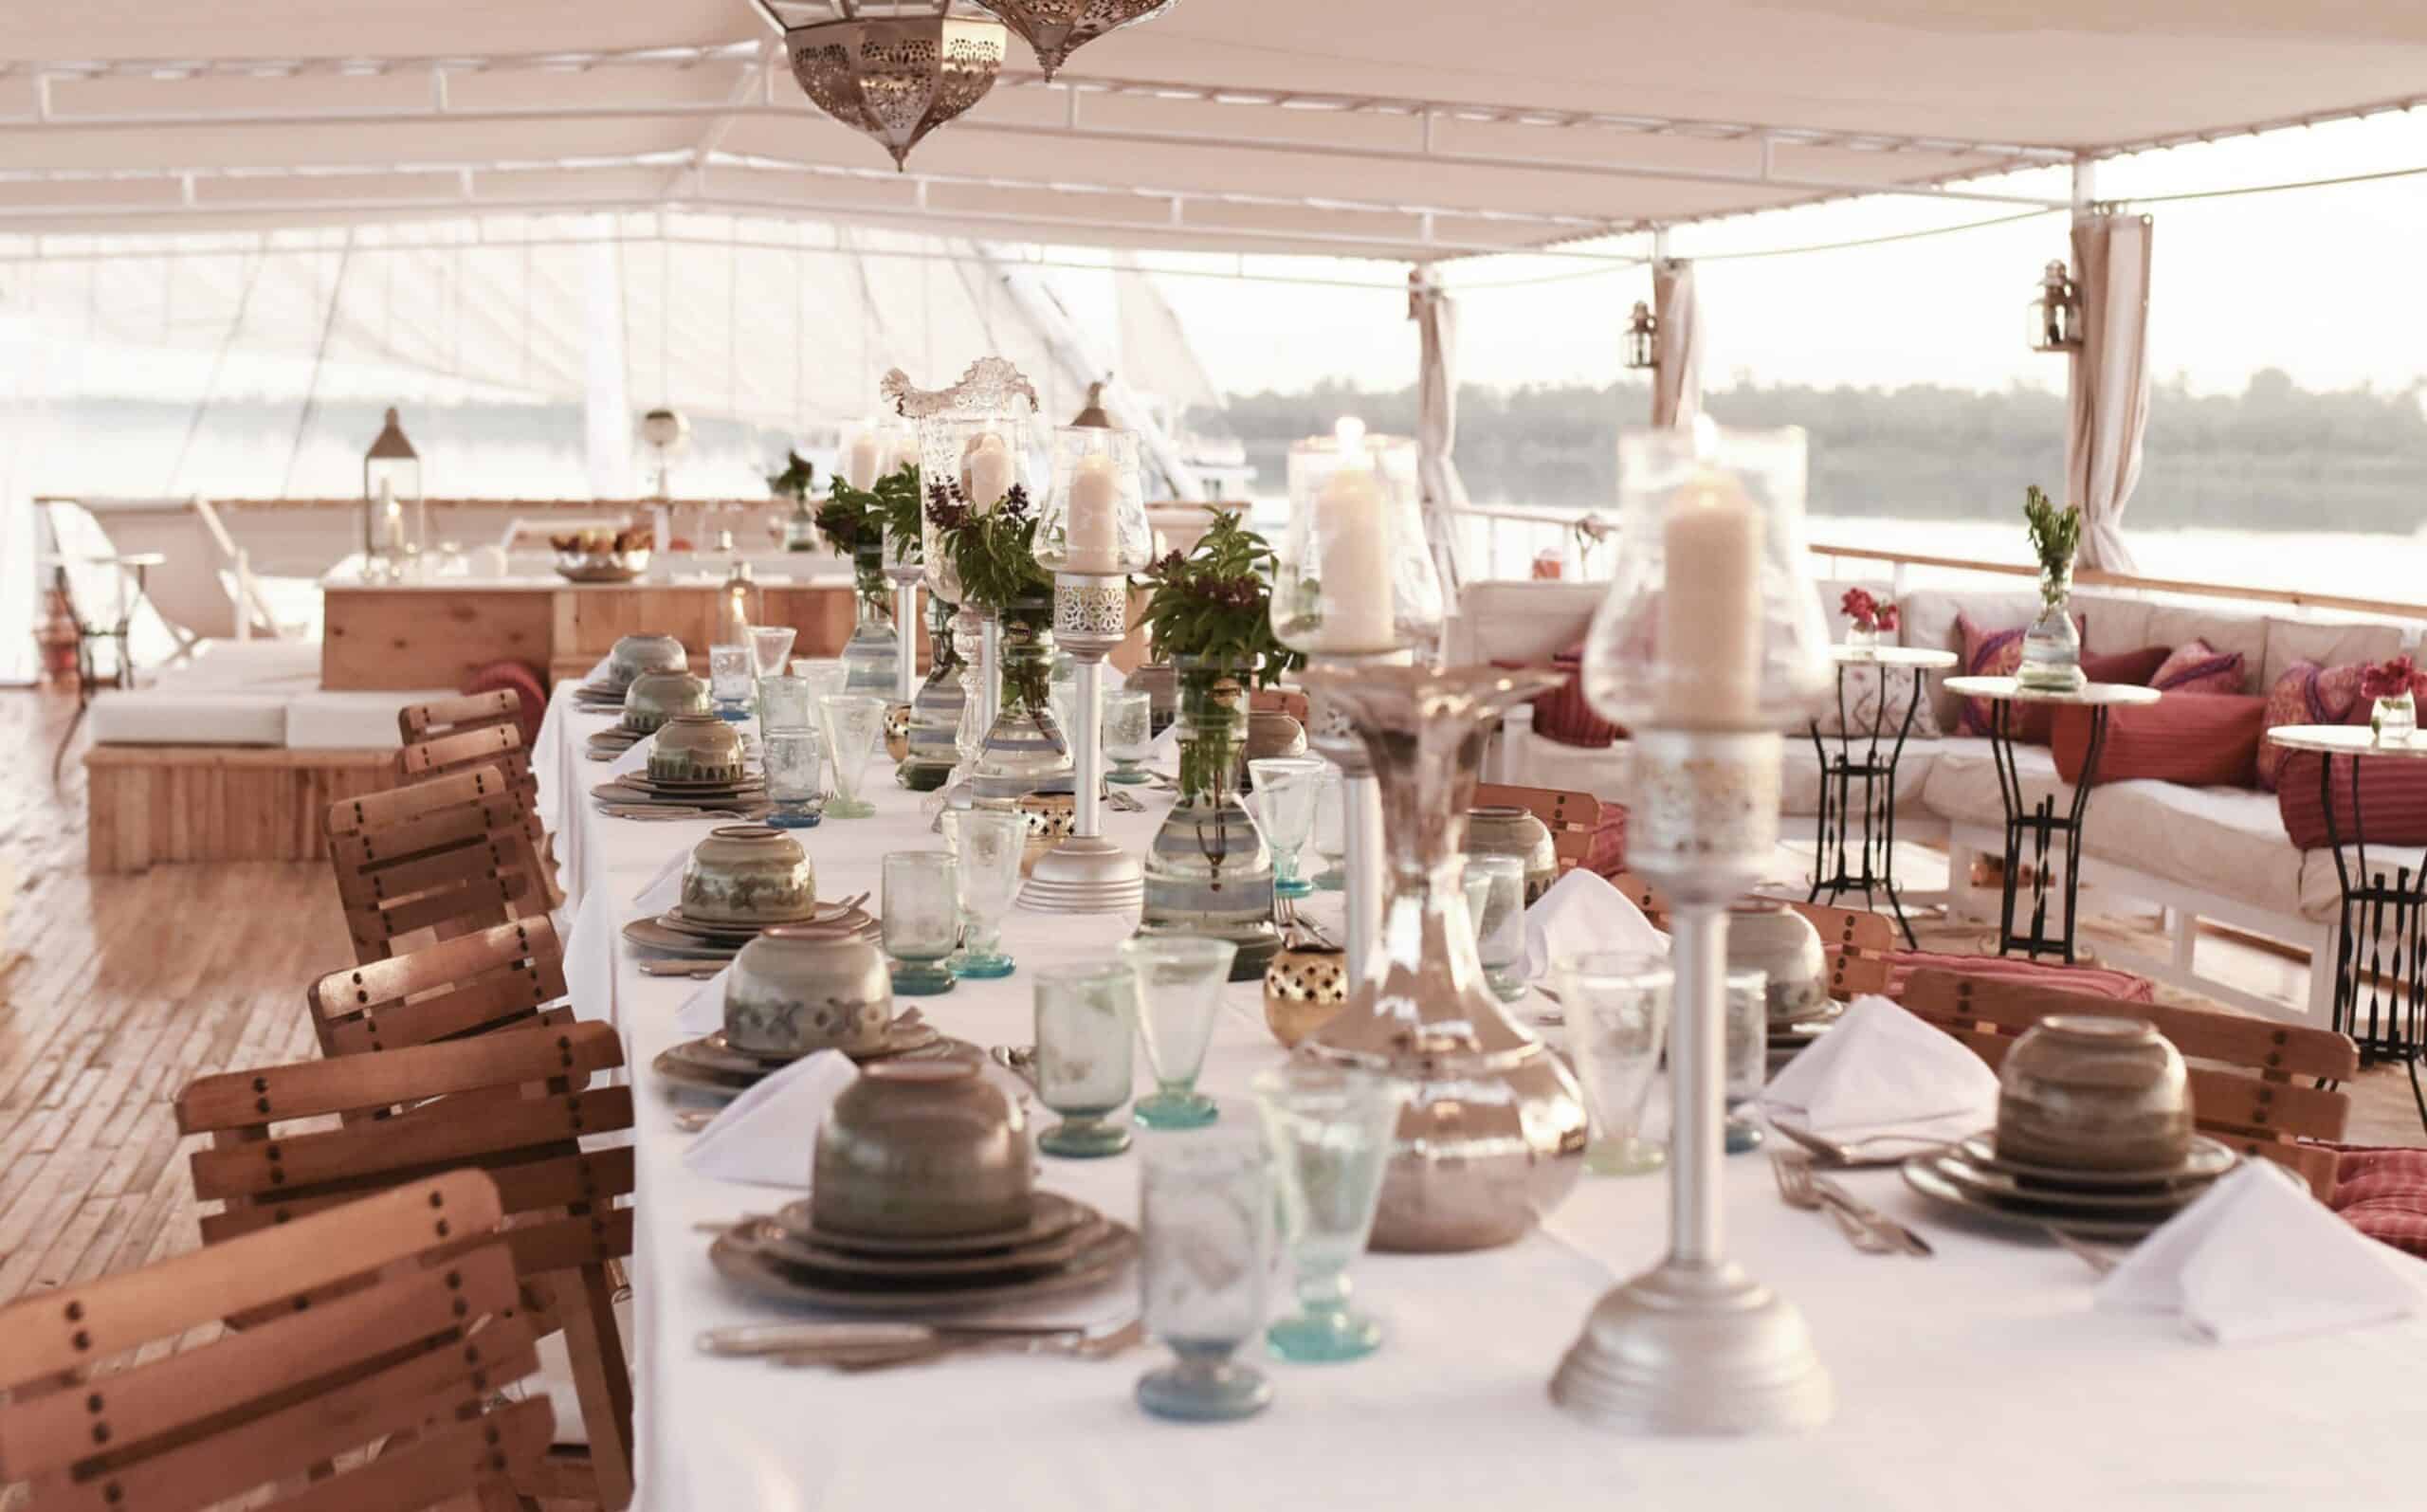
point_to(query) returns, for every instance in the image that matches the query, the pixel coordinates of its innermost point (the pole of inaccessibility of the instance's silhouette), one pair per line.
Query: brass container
(1505, 830)
(633, 655)
(2087, 1092)
(1050, 817)
(696, 747)
(748, 876)
(657, 697)
(1302, 988)
(796, 990)
(922, 1148)
(897, 732)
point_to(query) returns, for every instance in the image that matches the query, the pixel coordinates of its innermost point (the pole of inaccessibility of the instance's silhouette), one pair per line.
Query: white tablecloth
(1978, 1379)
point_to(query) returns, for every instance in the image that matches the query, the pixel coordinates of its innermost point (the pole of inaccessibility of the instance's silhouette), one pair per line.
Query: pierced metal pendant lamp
(1057, 28)
(896, 78)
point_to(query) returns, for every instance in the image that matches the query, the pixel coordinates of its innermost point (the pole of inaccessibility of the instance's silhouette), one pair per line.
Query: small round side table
(2038, 825)
(1871, 868)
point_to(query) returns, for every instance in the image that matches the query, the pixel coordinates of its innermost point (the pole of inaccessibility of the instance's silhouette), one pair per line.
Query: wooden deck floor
(117, 991)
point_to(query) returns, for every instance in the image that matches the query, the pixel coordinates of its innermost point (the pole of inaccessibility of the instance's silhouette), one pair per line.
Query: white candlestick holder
(1087, 873)
(906, 581)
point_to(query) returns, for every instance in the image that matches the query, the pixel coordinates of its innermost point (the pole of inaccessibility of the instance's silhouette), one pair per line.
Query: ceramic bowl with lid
(1506, 830)
(635, 655)
(1767, 936)
(657, 697)
(696, 747)
(922, 1149)
(800, 987)
(2089, 1092)
(748, 876)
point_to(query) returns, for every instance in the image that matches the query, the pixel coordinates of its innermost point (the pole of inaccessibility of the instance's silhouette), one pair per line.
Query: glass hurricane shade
(872, 450)
(1710, 622)
(986, 455)
(1095, 514)
(1355, 572)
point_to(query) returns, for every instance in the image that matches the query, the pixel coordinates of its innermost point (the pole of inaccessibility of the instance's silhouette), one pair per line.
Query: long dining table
(1980, 1379)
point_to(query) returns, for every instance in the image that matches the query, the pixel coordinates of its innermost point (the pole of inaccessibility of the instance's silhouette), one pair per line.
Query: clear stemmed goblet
(1087, 1017)
(769, 646)
(1207, 1221)
(987, 844)
(1283, 806)
(1180, 980)
(1330, 1131)
(1617, 1007)
(853, 721)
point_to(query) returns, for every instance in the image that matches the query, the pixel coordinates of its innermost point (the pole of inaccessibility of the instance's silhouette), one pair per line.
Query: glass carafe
(1208, 871)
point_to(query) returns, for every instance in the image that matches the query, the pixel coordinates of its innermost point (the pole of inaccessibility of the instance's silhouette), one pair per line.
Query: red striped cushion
(2382, 1193)
(2097, 981)
(525, 681)
(2393, 800)
(2195, 667)
(2307, 694)
(2201, 740)
(1563, 716)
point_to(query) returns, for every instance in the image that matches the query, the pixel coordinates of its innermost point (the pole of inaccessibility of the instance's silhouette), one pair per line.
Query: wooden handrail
(2095, 578)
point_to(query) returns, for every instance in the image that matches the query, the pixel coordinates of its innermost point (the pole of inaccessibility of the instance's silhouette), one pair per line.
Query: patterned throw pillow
(1858, 696)
(2197, 667)
(2307, 694)
(1998, 654)
(2200, 740)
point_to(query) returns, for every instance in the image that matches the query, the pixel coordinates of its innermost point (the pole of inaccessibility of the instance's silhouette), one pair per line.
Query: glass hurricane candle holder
(1128, 734)
(1617, 1008)
(1179, 996)
(1748, 1054)
(1329, 1130)
(795, 779)
(1283, 804)
(922, 922)
(852, 722)
(1355, 574)
(1206, 1208)
(732, 678)
(1094, 522)
(1086, 1019)
(1500, 932)
(987, 844)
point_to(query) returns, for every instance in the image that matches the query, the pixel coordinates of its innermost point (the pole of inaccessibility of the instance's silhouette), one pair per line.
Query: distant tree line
(2275, 456)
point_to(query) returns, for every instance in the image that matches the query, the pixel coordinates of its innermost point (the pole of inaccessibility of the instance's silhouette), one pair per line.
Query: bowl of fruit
(601, 555)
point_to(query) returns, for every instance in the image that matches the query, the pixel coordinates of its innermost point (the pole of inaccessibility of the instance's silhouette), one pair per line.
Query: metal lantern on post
(667, 432)
(2056, 311)
(391, 483)
(1091, 537)
(1056, 28)
(1710, 644)
(896, 78)
(1642, 338)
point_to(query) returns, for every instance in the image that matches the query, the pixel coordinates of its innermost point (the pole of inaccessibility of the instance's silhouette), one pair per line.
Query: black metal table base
(2383, 917)
(2031, 833)
(1870, 866)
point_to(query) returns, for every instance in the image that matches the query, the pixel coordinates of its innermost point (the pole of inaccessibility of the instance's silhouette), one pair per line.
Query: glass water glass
(1086, 1020)
(987, 845)
(1330, 1131)
(731, 681)
(784, 704)
(1283, 804)
(1617, 1007)
(1748, 1054)
(852, 722)
(1128, 734)
(1180, 978)
(921, 921)
(1331, 828)
(769, 646)
(1500, 929)
(796, 777)
(1207, 1222)
(824, 675)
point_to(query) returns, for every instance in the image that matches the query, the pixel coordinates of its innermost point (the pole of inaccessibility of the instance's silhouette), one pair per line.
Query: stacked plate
(673, 933)
(606, 744)
(1066, 1246)
(599, 698)
(638, 789)
(714, 1068)
(2121, 1205)
(1789, 1033)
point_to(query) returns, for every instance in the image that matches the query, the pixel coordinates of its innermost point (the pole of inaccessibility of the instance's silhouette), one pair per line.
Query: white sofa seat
(318, 720)
(181, 714)
(2226, 841)
(1963, 781)
(291, 665)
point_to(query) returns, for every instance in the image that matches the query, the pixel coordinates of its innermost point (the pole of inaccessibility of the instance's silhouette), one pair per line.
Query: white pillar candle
(1710, 607)
(1353, 541)
(860, 472)
(903, 453)
(986, 471)
(1092, 530)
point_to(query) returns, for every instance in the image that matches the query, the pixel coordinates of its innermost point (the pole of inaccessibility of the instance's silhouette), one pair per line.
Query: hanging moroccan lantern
(896, 78)
(1057, 28)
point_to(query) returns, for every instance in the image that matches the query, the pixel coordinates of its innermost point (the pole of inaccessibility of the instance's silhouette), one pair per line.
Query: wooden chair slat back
(497, 745)
(267, 1094)
(376, 811)
(468, 711)
(450, 855)
(497, 978)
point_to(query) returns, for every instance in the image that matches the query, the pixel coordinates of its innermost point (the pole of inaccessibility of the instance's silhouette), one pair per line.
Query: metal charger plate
(855, 919)
(2207, 1160)
(781, 1243)
(727, 1075)
(1921, 1174)
(1992, 1185)
(1051, 1216)
(711, 1050)
(650, 934)
(763, 1275)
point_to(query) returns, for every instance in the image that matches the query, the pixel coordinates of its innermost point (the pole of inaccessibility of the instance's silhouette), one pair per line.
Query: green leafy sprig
(899, 512)
(794, 482)
(2055, 533)
(1215, 601)
(993, 553)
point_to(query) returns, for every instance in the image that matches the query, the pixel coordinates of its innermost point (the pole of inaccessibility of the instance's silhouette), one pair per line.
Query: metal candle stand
(906, 581)
(1086, 873)
(1695, 1345)
(1332, 735)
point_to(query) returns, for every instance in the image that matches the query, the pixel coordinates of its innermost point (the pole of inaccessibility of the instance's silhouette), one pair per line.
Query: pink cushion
(2095, 980)
(2195, 667)
(2307, 694)
(526, 683)
(1563, 716)
(2393, 800)
(1998, 654)
(2200, 740)
(2382, 1193)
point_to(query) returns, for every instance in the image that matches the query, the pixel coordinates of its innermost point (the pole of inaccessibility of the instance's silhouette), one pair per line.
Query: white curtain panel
(1677, 346)
(1437, 428)
(2110, 381)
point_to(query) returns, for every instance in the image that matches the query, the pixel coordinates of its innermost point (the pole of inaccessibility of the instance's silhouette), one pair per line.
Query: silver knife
(1876, 1221)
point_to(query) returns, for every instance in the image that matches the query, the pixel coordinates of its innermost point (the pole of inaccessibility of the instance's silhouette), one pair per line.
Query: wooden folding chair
(432, 861)
(455, 735)
(416, 723)
(1859, 942)
(516, 1105)
(2242, 1070)
(500, 979)
(1573, 818)
(1292, 701)
(386, 1325)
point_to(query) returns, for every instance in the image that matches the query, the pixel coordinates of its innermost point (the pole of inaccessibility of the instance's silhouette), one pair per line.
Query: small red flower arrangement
(2392, 679)
(1870, 613)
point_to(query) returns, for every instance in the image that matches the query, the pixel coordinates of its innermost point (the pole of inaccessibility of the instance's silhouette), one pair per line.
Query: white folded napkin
(2257, 1258)
(590, 958)
(664, 889)
(633, 759)
(702, 1012)
(1883, 1071)
(1580, 913)
(769, 1134)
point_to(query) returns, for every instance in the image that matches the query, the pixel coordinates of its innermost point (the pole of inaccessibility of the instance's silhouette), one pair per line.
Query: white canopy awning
(1346, 127)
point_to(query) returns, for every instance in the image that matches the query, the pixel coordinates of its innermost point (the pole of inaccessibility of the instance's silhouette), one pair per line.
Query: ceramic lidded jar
(1767, 936)
(2088, 1092)
(922, 1148)
(657, 697)
(696, 747)
(636, 654)
(1272, 733)
(1302, 988)
(1506, 830)
(746, 876)
(797, 989)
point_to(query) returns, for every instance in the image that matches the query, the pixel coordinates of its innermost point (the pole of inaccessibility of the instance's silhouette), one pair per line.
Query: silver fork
(1065, 1346)
(1796, 1186)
